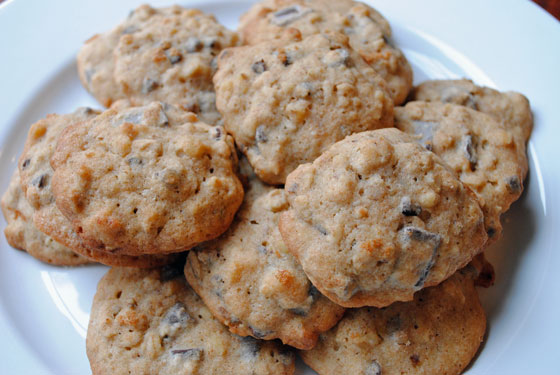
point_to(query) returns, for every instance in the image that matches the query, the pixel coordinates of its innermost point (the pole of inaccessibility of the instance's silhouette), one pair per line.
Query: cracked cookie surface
(368, 31)
(250, 281)
(438, 332)
(377, 217)
(152, 322)
(286, 102)
(146, 180)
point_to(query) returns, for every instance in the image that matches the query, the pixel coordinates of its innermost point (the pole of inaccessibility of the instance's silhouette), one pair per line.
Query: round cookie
(481, 151)
(377, 217)
(146, 180)
(36, 170)
(22, 234)
(512, 109)
(286, 102)
(252, 284)
(151, 322)
(157, 55)
(438, 332)
(368, 32)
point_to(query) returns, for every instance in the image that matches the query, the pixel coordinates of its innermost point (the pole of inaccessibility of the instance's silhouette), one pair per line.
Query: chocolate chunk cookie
(480, 149)
(510, 108)
(36, 171)
(438, 332)
(377, 217)
(286, 102)
(22, 234)
(252, 284)
(151, 322)
(162, 54)
(368, 32)
(146, 180)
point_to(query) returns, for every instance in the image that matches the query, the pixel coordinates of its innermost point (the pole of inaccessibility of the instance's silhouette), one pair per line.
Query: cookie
(22, 234)
(438, 332)
(146, 180)
(377, 217)
(510, 108)
(480, 149)
(252, 284)
(34, 165)
(162, 54)
(286, 102)
(368, 31)
(151, 322)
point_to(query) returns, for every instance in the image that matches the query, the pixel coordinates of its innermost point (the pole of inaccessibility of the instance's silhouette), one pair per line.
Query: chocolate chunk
(259, 67)
(287, 15)
(470, 151)
(373, 369)
(418, 234)
(513, 184)
(193, 354)
(177, 314)
(193, 44)
(259, 334)
(25, 163)
(149, 85)
(251, 346)
(129, 29)
(260, 134)
(409, 209)
(40, 181)
(173, 58)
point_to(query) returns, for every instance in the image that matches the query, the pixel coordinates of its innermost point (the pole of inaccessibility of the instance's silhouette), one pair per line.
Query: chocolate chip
(193, 354)
(217, 132)
(287, 15)
(259, 334)
(415, 360)
(149, 85)
(193, 44)
(260, 134)
(470, 151)
(134, 161)
(251, 345)
(409, 209)
(513, 184)
(418, 234)
(173, 58)
(129, 29)
(25, 163)
(40, 181)
(373, 369)
(259, 67)
(177, 314)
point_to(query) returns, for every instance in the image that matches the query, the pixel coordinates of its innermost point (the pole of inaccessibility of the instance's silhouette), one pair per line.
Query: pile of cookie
(325, 203)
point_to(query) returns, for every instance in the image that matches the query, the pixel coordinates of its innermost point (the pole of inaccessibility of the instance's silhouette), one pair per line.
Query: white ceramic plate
(510, 45)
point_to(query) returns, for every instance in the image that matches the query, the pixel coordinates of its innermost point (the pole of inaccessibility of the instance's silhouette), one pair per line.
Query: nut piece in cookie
(368, 33)
(287, 101)
(152, 322)
(146, 180)
(480, 149)
(438, 332)
(165, 54)
(252, 284)
(510, 108)
(22, 234)
(377, 217)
